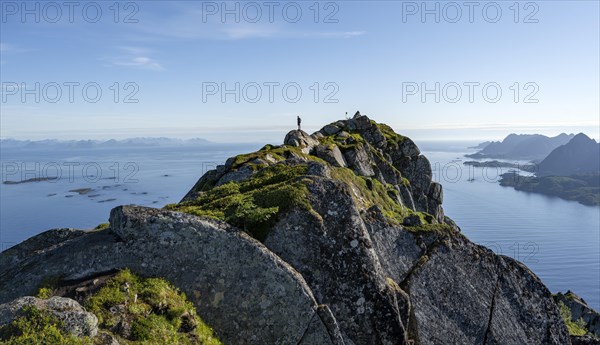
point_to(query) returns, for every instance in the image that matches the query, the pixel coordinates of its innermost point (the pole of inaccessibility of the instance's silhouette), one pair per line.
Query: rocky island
(570, 172)
(338, 237)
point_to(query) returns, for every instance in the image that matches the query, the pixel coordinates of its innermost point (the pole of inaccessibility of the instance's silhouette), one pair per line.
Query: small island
(583, 188)
(498, 164)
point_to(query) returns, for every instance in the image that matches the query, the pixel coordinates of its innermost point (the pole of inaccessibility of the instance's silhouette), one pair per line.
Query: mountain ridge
(338, 237)
(522, 146)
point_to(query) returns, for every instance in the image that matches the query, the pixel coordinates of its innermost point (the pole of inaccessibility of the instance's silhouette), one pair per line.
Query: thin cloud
(190, 23)
(6, 49)
(141, 62)
(135, 57)
(343, 34)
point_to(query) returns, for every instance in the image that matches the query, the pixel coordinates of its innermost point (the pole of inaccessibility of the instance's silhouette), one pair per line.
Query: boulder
(331, 129)
(331, 154)
(301, 139)
(73, 317)
(360, 161)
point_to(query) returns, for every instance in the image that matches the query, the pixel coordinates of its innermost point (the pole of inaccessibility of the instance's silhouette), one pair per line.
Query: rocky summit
(338, 237)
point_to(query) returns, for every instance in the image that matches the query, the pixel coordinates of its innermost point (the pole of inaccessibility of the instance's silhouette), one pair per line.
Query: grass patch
(157, 311)
(437, 228)
(47, 287)
(254, 204)
(574, 327)
(102, 226)
(389, 134)
(344, 143)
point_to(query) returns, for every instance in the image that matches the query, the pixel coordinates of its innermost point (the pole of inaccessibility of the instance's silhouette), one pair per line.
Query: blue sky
(364, 55)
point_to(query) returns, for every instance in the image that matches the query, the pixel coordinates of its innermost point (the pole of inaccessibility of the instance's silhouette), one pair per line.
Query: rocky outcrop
(354, 249)
(579, 312)
(300, 139)
(243, 290)
(73, 318)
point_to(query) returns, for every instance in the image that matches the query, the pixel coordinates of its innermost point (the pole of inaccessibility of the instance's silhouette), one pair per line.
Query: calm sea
(559, 240)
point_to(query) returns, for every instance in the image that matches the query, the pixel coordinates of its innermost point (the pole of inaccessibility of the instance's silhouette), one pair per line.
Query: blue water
(558, 240)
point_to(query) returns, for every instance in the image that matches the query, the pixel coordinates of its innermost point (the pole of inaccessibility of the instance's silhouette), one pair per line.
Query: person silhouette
(299, 123)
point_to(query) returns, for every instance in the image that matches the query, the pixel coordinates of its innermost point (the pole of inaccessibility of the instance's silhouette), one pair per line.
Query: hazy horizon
(257, 135)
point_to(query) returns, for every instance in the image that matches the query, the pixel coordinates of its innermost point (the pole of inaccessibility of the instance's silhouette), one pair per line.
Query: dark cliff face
(354, 248)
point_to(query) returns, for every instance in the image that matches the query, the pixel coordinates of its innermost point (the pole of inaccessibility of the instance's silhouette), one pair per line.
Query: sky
(242, 71)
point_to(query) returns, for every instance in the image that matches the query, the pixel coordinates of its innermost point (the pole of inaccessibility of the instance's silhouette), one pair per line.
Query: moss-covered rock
(148, 311)
(35, 326)
(126, 308)
(253, 190)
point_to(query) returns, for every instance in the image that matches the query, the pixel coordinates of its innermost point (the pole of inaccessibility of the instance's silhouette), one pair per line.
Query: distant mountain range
(571, 172)
(581, 155)
(522, 146)
(112, 143)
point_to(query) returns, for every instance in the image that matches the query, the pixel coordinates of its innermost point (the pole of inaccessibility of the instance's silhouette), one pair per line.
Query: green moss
(343, 143)
(574, 327)
(405, 182)
(389, 134)
(255, 204)
(369, 191)
(35, 326)
(45, 293)
(159, 313)
(47, 287)
(438, 228)
(278, 153)
(102, 226)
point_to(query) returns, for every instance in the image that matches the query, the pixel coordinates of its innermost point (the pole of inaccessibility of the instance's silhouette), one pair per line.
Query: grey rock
(322, 319)
(435, 192)
(510, 299)
(317, 135)
(73, 317)
(237, 175)
(248, 294)
(300, 139)
(331, 129)
(333, 251)
(331, 154)
(51, 239)
(209, 179)
(318, 169)
(360, 161)
(406, 196)
(584, 340)
(409, 149)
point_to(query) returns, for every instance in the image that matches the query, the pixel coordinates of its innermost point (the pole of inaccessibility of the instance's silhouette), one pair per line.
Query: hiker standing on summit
(299, 123)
